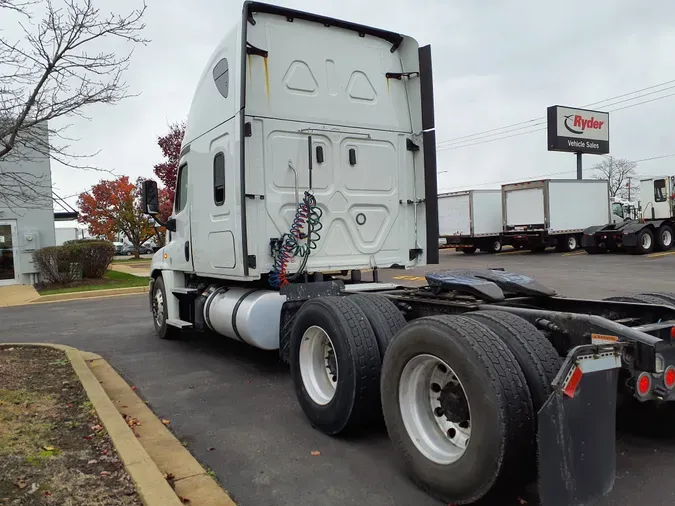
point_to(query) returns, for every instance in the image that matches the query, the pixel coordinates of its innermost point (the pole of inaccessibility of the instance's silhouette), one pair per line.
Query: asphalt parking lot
(220, 394)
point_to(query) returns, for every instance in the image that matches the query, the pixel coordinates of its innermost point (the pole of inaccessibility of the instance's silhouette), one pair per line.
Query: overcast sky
(495, 63)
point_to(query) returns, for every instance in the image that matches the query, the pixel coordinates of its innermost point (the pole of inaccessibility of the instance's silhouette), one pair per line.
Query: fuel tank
(244, 314)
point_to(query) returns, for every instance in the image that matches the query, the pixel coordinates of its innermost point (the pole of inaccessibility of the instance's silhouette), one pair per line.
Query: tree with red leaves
(112, 207)
(167, 170)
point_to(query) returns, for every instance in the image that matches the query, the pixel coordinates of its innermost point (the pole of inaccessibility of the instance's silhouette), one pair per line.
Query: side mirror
(150, 198)
(171, 224)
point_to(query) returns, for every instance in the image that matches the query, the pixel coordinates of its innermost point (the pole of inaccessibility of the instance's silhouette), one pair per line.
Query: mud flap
(576, 435)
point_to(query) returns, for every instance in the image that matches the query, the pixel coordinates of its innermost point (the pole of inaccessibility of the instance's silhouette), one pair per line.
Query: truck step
(181, 324)
(185, 291)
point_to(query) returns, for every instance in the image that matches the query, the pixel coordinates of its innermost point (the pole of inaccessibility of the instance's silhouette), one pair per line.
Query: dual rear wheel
(459, 394)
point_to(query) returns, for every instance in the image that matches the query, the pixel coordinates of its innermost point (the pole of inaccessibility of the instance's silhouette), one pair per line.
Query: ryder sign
(578, 130)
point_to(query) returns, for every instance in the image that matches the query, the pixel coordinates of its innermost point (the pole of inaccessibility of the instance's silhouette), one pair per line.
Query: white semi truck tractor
(308, 159)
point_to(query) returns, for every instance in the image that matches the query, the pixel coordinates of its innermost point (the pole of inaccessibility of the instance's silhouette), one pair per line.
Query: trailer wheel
(469, 251)
(383, 315)
(457, 408)
(645, 242)
(664, 238)
(495, 246)
(535, 354)
(567, 243)
(160, 312)
(335, 365)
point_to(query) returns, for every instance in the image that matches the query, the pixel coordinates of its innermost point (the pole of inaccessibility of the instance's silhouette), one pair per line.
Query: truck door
(179, 246)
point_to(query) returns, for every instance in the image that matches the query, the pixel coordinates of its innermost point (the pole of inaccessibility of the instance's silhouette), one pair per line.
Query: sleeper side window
(181, 188)
(219, 179)
(221, 76)
(660, 190)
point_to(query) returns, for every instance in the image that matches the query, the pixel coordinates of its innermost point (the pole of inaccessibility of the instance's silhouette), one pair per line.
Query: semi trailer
(308, 158)
(653, 231)
(553, 212)
(471, 220)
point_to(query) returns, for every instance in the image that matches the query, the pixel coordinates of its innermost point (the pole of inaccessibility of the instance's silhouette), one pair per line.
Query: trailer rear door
(454, 214)
(524, 205)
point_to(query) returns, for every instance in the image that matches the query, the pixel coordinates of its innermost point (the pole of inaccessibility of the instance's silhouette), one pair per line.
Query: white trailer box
(554, 212)
(471, 219)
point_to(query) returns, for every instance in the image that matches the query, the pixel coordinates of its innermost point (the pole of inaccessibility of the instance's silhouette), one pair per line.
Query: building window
(219, 179)
(181, 188)
(221, 76)
(660, 190)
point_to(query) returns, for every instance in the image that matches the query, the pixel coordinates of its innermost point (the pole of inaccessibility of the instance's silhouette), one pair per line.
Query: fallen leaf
(165, 422)
(133, 388)
(169, 477)
(21, 484)
(48, 493)
(88, 438)
(210, 449)
(316, 453)
(96, 427)
(69, 405)
(48, 448)
(105, 452)
(105, 473)
(33, 488)
(92, 461)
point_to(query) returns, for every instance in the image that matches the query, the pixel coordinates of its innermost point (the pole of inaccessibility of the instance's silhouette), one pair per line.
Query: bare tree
(55, 71)
(619, 172)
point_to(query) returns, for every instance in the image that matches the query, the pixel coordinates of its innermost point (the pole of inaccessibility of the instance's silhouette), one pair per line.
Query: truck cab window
(617, 209)
(181, 188)
(660, 190)
(219, 179)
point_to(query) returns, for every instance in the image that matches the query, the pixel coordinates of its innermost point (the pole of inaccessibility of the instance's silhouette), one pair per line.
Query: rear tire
(160, 312)
(536, 356)
(567, 244)
(645, 242)
(495, 246)
(664, 238)
(383, 315)
(469, 251)
(500, 409)
(335, 365)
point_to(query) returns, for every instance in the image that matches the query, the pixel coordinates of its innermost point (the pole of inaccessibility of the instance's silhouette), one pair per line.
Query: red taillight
(669, 377)
(644, 384)
(672, 332)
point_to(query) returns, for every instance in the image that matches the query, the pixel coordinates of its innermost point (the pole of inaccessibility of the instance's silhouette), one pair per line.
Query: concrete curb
(92, 294)
(151, 485)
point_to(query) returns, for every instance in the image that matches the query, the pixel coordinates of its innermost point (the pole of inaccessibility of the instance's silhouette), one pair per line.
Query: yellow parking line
(575, 253)
(410, 278)
(659, 255)
(514, 252)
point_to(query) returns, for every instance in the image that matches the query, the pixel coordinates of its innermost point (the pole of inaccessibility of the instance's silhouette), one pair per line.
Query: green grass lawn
(111, 279)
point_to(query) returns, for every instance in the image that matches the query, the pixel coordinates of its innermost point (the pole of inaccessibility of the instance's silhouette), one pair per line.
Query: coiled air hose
(292, 245)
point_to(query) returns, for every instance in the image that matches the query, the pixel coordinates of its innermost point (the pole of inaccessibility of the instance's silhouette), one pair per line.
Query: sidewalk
(140, 269)
(16, 295)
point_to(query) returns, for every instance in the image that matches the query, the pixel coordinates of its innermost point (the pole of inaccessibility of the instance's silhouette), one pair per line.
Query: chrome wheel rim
(318, 365)
(158, 307)
(428, 390)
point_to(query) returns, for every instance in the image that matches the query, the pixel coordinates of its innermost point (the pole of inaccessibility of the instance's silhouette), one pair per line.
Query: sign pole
(579, 167)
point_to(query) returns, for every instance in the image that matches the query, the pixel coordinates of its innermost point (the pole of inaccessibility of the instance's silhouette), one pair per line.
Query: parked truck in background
(553, 212)
(310, 149)
(471, 220)
(652, 231)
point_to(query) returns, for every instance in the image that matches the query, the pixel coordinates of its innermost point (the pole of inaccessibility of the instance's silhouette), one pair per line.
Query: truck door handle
(187, 251)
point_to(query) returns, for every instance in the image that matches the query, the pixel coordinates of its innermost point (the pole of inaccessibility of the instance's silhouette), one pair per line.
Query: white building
(26, 214)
